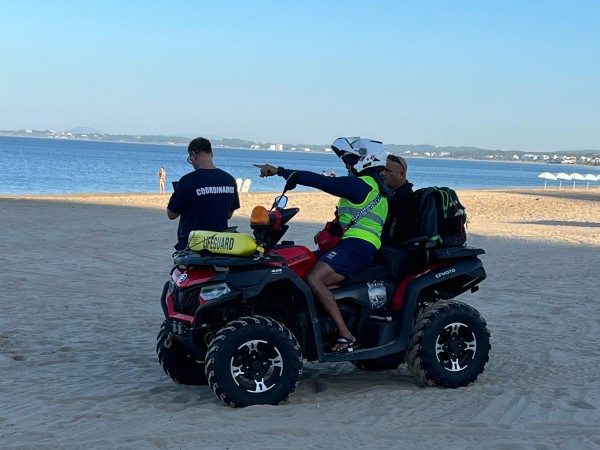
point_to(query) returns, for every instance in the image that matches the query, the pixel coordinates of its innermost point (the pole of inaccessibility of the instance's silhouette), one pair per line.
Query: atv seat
(392, 261)
(375, 272)
(396, 259)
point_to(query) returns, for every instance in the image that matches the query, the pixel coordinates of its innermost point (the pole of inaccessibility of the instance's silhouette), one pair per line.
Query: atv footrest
(456, 252)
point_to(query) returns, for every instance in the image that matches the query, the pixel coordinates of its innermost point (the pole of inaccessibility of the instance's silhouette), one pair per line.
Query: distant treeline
(588, 157)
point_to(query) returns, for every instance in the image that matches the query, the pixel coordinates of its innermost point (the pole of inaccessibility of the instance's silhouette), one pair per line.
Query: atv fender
(163, 300)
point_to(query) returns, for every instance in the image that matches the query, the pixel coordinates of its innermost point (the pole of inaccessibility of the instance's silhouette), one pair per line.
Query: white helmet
(360, 153)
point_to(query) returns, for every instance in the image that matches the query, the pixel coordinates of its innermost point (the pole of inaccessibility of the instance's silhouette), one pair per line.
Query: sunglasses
(397, 160)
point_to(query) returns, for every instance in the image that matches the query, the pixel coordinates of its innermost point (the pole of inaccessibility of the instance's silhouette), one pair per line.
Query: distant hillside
(84, 130)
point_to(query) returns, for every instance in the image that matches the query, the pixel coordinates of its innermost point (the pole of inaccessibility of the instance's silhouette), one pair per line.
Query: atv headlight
(214, 291)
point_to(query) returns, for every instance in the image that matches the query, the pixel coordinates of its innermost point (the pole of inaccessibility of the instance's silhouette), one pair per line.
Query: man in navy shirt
(205, 198)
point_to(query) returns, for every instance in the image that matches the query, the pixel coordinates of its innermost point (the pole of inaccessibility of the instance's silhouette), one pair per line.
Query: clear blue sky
(510, 75)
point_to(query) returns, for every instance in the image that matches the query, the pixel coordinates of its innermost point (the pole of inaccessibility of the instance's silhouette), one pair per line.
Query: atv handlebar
(291, 182)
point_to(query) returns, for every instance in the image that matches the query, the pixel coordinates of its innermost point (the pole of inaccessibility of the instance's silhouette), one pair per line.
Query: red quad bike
(240, 317)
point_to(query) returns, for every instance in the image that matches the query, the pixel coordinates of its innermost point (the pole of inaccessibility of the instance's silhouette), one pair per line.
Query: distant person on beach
(394, 176)
(204, 199)
(324, 173)
(332, 173)
(162, 177)
(362, 198)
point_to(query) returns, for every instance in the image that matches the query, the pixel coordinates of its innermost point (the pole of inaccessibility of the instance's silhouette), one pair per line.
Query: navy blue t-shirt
(203, 198)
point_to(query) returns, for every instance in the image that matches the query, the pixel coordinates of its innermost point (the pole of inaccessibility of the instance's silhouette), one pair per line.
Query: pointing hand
(266, 170)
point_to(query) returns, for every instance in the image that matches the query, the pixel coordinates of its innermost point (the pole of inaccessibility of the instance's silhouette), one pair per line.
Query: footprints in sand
(582, 405)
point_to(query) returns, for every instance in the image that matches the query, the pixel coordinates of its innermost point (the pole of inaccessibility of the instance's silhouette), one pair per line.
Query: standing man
(162, 177)
(204, 199)
(394, 176)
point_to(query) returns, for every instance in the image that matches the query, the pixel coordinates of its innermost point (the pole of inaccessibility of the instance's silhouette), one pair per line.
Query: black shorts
(350, 256)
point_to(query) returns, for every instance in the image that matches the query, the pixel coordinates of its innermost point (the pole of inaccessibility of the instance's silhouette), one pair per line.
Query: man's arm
(176, 202)
(172, 215)
(352, 188)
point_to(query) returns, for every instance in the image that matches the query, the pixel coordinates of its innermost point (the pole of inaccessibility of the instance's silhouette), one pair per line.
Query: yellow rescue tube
(239, 244)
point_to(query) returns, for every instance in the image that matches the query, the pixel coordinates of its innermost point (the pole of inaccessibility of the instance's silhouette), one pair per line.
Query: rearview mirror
(280, 202)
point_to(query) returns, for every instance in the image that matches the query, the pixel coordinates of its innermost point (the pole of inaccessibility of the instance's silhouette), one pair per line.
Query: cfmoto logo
(443, 274)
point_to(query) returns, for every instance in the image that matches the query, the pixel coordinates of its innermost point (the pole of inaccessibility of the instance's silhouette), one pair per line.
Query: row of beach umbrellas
(562, 176)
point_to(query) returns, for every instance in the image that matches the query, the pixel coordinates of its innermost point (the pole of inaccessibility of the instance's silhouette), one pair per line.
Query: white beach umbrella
(547, 176)
(590, 177)
(562, 176)
(576, 176)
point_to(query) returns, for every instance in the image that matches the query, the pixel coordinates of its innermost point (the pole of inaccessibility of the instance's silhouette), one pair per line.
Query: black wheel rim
(256, 366)
(456, 346)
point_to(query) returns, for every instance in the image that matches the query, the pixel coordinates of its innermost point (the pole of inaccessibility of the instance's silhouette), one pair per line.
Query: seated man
(361, 189)
(394, 176)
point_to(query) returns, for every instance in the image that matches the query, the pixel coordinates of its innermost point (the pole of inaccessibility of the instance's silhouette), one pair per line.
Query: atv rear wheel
(178, 362)
(253, 360)
(449, 345)
(389, 362)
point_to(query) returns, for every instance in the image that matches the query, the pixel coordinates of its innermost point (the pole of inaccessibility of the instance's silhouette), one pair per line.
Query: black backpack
(432, 217)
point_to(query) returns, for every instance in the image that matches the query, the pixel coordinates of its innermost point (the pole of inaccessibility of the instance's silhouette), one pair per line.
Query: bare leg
(319, 277)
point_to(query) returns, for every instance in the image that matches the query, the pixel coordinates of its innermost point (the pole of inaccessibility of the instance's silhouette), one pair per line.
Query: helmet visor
(350, 159)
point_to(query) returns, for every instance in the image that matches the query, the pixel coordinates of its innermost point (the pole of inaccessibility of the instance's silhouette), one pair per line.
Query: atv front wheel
(449, 345)
(253, 360)
(177, 362)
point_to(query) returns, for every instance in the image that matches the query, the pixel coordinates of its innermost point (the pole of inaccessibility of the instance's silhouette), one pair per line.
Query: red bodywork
(398, 298)
(298, 258)
(184, 279)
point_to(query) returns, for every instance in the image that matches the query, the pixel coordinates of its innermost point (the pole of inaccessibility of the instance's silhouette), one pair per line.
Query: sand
(81, 279)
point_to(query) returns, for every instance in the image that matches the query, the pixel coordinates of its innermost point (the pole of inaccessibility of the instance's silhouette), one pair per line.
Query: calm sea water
(48, 166)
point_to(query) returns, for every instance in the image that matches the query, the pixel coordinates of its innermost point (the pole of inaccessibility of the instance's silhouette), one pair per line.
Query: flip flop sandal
(348, 345)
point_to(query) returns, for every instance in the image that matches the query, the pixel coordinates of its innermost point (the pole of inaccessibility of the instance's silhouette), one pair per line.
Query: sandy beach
(81, 280)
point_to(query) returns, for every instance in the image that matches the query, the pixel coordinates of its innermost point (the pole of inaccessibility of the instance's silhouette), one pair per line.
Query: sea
(55, 166)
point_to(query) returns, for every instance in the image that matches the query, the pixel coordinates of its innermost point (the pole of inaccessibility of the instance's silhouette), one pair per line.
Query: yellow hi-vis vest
(369, 226)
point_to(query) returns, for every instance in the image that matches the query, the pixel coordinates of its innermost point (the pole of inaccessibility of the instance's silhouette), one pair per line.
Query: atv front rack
(190, 258)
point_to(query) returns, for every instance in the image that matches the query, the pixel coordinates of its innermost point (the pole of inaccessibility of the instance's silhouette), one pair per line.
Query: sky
(506, 75)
